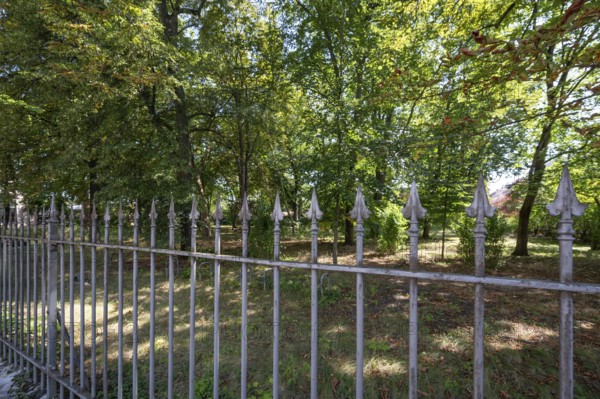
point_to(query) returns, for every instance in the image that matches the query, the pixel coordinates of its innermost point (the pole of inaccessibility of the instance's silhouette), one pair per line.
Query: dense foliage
(102, 100)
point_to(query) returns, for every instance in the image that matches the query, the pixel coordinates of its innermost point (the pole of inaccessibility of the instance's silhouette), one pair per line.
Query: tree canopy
(134, 99)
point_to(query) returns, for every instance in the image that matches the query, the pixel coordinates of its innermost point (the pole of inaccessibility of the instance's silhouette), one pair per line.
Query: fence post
(480, 209)
(244, 216)
(218, 215)
(566, 205)
(277, 217)
(413, 211)
(194, 214)
(359, 213)
(314, 213)
(52, 297)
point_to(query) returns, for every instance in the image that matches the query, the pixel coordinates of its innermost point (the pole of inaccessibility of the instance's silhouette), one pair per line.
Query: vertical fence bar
(52, 296)
(192, 359)
(15, 327)
(134, 348)
(480, 209)
(21, 288)
(359, 213)
(43, 292)
(35, 294)
(152, 299)
(82, 378)
(314, 213)
(10, 285)
(93, 217)
(63, 327)
(566, 205)
(120, 305)
(277, 217)
(105, 305)
(218, 215)
(28, 287)
(172, 216)
(413, 211)
(71, 301)
(3, 312)
(244, 216)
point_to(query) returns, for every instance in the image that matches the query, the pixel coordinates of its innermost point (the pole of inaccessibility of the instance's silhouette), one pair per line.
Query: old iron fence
(36, 337)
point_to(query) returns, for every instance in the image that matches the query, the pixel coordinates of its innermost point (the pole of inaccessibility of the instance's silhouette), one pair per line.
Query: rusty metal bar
(277, 217)
(71, 299)
(192, 356)
(218, 215)
(52, 297)
(120, 304)
(480, 209)
(61, 256)
(314, 213)
(82, 378)
(360, 213)
(244, 216)
(105, 305)
(152, 300)
(43, 241)
(413, 211)
(134, 343)
(566, 205)
(171, 360)
(93, 217)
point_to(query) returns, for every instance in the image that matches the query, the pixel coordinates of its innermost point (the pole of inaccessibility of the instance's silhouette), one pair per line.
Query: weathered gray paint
(277, 217)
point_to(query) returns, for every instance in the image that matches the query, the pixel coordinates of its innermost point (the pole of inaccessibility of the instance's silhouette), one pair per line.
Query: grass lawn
(522, 343)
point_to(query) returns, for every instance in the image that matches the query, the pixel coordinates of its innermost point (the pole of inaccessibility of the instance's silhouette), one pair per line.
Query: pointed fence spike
(71, 214)
(120, 214)
(565, 203)
(413, 205)
(136, 213)
(93, 215)
(107, 213)
(172, 210)
(360, 211)
(314, 212)
(277, 214)
(194, 214)
(245, 214)
(53, 207)
(480, 208)
(218, 213)
(82, 213)
(153, 214)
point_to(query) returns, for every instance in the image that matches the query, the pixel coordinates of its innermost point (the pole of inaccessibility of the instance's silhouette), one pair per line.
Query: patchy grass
(521, 353)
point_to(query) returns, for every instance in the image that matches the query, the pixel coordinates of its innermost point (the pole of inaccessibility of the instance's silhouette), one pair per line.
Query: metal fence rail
(35, 252)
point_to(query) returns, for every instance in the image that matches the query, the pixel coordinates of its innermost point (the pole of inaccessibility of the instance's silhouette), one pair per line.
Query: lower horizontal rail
(52, 374)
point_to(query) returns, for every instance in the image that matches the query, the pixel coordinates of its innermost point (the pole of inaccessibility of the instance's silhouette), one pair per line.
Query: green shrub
(497, 229)
(392, 228)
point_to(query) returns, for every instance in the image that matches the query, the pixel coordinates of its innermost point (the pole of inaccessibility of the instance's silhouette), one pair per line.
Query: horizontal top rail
(583, 288)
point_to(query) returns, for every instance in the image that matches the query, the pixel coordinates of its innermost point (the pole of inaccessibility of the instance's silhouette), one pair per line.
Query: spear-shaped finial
(136, 212)
(53, 207)
(82, 214)
(93, 215)
(62, 214)
(245, 214)
(277, 215)
(360, 211)
(218, 214)
(153, 214)
(566, 203)
(413, 209)
(120, 214)
(314, 212)
(106, 213)
(480, 208)
(194, 214)
(71, 214)
(172, 211)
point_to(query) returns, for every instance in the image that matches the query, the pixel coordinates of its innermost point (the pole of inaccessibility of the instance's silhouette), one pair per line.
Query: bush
(392, 228)
(497, 229)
